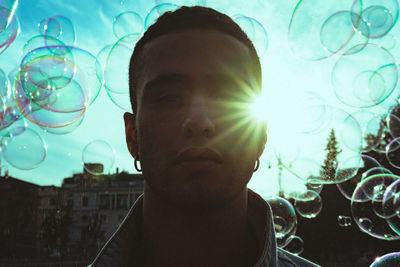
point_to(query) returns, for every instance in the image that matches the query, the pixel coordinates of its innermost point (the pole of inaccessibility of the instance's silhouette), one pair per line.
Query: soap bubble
(56, 84)
(311, 207)
(98, 157)
(295, 245)
(7, 12)
(364, 209)
(11, 29)
(312, 27)
(391, 206)
(126, 23)
(115, 80)
(364, 119)
(366, 78)
(256, 33)
(393, 153)
(388, 260)
(344, 221)
(156, 12)
(23, 150)
(284, 217)
(393, 123)
(380, 16)
(59, 27)
(339, 34)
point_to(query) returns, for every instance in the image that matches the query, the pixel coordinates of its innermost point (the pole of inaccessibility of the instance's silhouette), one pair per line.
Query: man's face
(195, 143)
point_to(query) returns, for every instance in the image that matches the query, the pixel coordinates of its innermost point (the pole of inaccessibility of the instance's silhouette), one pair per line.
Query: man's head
(191, 78)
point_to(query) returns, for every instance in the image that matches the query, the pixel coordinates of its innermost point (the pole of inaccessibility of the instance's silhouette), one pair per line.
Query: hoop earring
(257, 165)
(136, 166)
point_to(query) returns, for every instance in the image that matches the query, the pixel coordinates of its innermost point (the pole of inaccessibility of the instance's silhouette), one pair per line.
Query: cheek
(155, 137)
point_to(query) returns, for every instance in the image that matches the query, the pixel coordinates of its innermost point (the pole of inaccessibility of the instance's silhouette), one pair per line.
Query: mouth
(198, 154)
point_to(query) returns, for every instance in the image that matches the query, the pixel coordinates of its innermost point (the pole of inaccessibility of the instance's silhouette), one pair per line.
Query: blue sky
(290, 84)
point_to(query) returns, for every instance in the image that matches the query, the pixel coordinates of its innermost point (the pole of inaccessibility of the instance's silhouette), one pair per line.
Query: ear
(130, 136)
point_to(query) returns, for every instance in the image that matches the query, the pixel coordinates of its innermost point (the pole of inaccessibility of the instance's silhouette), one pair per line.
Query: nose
(197, 121)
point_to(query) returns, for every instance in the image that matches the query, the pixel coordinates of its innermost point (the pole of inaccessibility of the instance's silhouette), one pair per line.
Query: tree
(55, 231)
(328, 169)
(91, 236)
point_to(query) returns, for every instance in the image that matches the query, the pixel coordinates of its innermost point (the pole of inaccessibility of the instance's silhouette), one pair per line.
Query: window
(122, 201)
(85, 201)
(70, 203)
(52, 202)
(104, 202)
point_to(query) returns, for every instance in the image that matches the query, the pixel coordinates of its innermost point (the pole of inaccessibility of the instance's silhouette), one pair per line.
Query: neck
(173, 237)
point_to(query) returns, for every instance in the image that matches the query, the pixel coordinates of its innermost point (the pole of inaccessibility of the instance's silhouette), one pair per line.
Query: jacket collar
(124, 247)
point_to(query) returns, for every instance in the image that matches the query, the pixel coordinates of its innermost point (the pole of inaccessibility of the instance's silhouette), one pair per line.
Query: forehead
(196, 54)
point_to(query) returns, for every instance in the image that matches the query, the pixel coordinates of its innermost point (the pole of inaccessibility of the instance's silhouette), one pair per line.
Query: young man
(192, 77)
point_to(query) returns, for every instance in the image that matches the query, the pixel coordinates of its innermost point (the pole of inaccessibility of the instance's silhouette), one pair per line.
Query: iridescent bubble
(61, 28)
(391, 206)
(387, 260)
(364, 163)
(7, 11)
(344, 221)
(65, 129)
(314, 187)
(121, 100)
(256, 33)
(10, 112)
(128, 22)
(4, 89)
(376, 131)
(310, 18)
(349, 167)
(295, 245)
(375, 170)
(364, 117)
(17, 127)
(41, 41)
(380, 16)
(393, 152)
(98, 152)
(156, 12)
(338, 32)
(309, 207)
(10, 32)
(393, 122)
(115, 80)
(42, 25)
(25, 150)
(59, 78)
(366, 78)
(284, 216)
(362, 206)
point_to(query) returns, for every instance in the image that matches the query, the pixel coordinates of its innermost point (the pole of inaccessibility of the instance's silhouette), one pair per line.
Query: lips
(198, 154)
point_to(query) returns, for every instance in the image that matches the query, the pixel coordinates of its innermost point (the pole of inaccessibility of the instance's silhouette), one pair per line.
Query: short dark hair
(195, 17)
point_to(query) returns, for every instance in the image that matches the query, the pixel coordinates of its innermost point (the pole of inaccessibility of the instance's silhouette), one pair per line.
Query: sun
(257, 108)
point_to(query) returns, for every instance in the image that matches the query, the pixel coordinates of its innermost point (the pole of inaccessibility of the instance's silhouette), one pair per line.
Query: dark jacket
(123, 248)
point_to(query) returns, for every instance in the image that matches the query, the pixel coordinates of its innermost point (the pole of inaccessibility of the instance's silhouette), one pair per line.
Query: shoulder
(286, 258)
